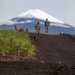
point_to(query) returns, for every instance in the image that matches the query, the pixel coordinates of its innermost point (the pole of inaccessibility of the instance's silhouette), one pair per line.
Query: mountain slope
(28, 19)
(55, 55)
(39, 14)
(55, 48)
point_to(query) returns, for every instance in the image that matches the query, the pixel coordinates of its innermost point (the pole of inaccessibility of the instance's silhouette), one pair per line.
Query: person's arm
(49, 23)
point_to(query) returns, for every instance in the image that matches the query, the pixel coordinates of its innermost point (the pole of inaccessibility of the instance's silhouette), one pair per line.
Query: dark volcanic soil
(55, 55)
(55, 48)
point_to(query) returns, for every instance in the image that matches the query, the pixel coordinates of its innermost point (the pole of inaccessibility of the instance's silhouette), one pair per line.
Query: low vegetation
(17, 43)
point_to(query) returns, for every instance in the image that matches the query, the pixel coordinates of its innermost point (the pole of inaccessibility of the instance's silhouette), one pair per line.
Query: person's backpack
(47, 23)
(37, 27)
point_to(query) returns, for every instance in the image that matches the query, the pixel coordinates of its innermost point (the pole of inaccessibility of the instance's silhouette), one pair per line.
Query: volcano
(28, 20)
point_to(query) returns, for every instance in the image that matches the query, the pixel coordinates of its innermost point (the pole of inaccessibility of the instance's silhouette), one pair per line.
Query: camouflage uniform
(37, 28)
(47, 23)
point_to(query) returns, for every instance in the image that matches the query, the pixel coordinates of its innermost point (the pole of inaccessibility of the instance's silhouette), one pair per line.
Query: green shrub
(16, 43)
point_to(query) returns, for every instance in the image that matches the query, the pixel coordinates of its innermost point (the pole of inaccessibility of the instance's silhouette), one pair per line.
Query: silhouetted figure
(15, 27)
(26, 30)
(47, 23)
(19, 29)
(37, 28)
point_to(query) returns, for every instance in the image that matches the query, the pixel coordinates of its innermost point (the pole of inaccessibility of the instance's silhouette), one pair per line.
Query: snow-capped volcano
(28, 19)
(39, 14)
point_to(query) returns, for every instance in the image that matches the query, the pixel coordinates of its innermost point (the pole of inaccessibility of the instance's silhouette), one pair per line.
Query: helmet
(38, 23)
(47, 19)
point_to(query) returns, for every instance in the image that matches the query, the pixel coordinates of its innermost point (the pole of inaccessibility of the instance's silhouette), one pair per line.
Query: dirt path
(55, 48)
(55, 55)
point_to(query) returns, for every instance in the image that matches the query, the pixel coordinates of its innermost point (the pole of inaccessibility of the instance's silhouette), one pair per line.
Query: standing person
(15, 27)
(37, 28)
(47, 23)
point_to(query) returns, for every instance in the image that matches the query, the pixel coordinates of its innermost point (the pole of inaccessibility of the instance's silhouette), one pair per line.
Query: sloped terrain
(55, 55)
(55, 47)
(28, 20)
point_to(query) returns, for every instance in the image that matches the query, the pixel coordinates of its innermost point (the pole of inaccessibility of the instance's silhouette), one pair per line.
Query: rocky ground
(55, 55)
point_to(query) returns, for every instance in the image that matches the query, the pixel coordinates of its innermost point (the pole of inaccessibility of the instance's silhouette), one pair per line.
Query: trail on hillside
(55, 55)
(55, 48)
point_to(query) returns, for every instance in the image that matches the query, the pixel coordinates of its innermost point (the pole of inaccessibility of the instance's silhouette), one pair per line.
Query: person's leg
(47, 29)
(38, 34)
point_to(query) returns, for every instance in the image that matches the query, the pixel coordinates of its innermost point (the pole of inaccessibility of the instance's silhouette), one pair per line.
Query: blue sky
(64, 10)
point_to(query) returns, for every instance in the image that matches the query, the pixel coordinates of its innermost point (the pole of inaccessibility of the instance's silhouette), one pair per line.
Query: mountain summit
(39, 14)
(28, 20)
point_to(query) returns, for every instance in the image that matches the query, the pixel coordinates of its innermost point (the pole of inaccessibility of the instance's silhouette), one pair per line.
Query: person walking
(37, 28)
(47, 23)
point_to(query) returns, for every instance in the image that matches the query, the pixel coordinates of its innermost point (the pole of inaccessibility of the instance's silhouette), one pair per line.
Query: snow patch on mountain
(60, 25)
(33, 16)
(36, 13)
